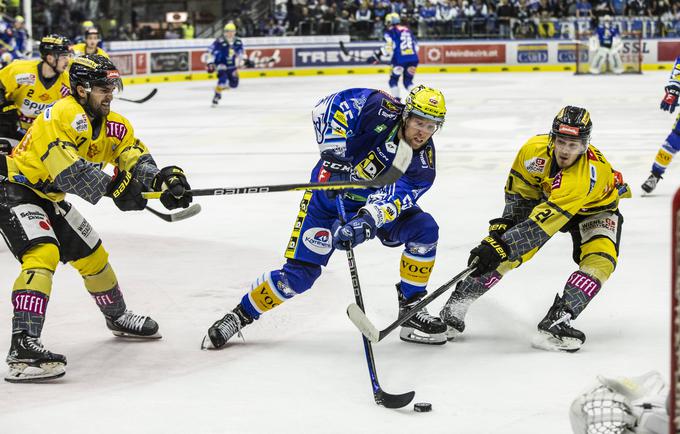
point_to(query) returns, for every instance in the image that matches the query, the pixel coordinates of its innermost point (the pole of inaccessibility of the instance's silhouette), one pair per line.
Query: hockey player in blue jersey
(226, 56)
(605, 44)
(401, 44)
(672, 143)
(358, 131)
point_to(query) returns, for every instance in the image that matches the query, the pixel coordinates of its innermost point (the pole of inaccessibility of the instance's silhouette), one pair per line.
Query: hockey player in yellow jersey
(558, 182)
(30, 86)
(91, 44)
(63, 152)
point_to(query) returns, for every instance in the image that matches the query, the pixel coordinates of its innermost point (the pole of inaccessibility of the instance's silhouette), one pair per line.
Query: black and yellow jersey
(81, 50)
(29, 91)
(64, 152)
(587, 187)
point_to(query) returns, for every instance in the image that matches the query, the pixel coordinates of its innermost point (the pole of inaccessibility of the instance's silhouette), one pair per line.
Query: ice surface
(302, 367)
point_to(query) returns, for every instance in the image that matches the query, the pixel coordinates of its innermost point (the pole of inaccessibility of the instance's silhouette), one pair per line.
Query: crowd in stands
(364, 19)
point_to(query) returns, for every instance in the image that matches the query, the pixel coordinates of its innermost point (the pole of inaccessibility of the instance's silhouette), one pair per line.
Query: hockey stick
(346, 52)
(399, 165)
(356, 314)
(176, 216)
(381, 397)
(139, 101)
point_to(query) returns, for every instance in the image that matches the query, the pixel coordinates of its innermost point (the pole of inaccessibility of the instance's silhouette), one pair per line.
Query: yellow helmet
(392, 18)
(230, 27)
(19, 19)
(427, 103)
(87, 24)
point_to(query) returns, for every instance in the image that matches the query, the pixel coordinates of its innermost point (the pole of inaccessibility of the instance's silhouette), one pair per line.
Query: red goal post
(630, 52)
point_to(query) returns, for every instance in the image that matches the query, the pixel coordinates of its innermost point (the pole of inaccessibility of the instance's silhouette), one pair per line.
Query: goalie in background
(605, 46)
(622, 405)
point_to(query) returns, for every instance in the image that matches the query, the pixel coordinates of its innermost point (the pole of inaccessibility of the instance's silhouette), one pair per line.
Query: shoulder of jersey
(24, 65)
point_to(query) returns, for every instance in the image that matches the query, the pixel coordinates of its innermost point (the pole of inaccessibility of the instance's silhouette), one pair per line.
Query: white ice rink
(302, 367)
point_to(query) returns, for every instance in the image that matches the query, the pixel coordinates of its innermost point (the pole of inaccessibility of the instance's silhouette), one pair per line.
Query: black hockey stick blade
(401, 161)
(176, 216)
(139, 101)
(346, 52)
(388, 400)
(366, 327)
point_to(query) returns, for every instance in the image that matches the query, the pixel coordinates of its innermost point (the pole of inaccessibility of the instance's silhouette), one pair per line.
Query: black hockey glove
(176, 190)
(498, 226)
(488, 255)
(670, 100)
(375, 58)
(5, 146)
(126, 192)
(210, 67)
(334, 168)
(9, 121)
(359, 229)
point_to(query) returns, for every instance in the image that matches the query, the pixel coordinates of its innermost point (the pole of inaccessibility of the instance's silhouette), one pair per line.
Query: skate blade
(452, 334)
(23, 373)
(120, 334)
(409, 334)
(548, 342)
(206, 343)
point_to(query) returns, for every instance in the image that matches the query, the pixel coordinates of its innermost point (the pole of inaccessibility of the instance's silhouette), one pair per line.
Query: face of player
(567, 151)
(92, 40)
(100, 100)
(230, 35)
(60, 62)
(417, 131)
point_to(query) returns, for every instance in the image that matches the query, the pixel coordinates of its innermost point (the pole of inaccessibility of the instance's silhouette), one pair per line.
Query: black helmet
(93, 70)
(572, 122)
(54, 45)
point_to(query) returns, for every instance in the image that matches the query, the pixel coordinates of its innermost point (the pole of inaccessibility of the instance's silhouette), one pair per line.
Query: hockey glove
(359, 229)
(210, 67)
(498, 226)
(375, 58)
(670, 100)
(488, 255)
(126, 192)
(5, 146)
(9, 120)
(334, 168)
(176, 190)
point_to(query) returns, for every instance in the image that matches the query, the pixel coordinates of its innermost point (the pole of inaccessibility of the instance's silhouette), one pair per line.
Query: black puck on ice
(422, 407)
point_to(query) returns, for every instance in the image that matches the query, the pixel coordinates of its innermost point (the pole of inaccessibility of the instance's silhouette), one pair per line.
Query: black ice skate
(30, 362)
(216, 99)
(554, 331)
(223, 329)
(131, 325)
(650, 184)
(453, 314)
(421, 328)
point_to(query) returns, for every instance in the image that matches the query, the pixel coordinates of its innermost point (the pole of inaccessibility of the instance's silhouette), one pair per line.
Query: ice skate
(224, 329)
(555, 332)
(30, 362)
(131, 325)
(216, 99)
(650, 184)
(421, 328)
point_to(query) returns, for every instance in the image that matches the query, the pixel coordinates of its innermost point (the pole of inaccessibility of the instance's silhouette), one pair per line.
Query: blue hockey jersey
(401, 44)
(224, 53)
(362, 124)
(606, 35)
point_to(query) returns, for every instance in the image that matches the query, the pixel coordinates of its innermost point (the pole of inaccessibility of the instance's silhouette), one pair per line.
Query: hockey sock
(104, 289)
(415, 273)
(666, 152)
(275, 287)
(578, 291)
(29, 298)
